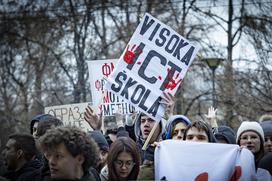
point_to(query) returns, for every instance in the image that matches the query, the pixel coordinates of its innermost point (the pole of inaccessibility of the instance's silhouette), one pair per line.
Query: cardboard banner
(156, 59)
(110, 102)
(70, 114)
(176, 159)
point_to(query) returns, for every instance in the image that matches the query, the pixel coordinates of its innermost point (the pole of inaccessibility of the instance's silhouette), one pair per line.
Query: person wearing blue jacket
(176, 126)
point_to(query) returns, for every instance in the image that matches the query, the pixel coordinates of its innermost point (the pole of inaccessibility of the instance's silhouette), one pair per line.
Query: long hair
(128, 145)
(259, 155)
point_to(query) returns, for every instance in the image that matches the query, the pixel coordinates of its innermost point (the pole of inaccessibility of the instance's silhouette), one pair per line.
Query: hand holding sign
(156, 59)
(92, 119)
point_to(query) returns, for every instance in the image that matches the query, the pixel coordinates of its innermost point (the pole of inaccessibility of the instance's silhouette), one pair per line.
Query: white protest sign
(70, 114)
(109, 103)
(156, 59)
(197, 161)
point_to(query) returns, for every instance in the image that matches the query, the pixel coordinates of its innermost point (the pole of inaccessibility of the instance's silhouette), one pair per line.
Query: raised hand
(211, 117)
(119, 118)
(94, 120)
(168, 102)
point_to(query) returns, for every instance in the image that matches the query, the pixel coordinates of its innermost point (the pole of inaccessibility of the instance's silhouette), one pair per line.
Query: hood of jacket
(174, 119)
(38, 118)
(137, 128)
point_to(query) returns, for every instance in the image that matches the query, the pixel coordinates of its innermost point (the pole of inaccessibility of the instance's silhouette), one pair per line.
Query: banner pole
(150, 135)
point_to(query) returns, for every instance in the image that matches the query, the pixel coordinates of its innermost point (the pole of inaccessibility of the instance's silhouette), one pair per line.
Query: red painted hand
(131, 54)
(172, 82)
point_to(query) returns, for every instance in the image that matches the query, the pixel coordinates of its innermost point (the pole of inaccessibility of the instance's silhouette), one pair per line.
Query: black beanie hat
(227, 133)
(100, 140)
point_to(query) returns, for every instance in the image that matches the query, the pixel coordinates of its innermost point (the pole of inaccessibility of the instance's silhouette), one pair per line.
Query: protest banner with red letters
(184, 160)
(106, 101)
(70, 114)
(156, 59)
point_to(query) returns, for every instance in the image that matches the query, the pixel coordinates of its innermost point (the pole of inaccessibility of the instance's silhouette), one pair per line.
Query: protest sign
(107, 101)
(156, 59)
(176, 159)
(70, 114)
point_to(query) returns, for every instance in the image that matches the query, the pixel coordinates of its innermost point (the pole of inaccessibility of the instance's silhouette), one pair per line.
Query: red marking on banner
(171, 82)
(202, 177)
(131, 54)
(236, 174)
(160, 77)
(139, 63)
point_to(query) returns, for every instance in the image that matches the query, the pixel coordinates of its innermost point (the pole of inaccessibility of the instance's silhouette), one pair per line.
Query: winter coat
(139, 139)
(29, 172)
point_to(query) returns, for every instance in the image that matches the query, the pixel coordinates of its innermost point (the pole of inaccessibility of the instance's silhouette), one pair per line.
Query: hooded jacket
(173, 120)
(139, 139)
(38, 118)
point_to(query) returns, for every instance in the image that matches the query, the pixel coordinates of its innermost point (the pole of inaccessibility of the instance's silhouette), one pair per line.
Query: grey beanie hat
(267, 127)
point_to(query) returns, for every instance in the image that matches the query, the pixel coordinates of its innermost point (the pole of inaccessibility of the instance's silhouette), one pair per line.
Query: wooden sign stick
(150, 135)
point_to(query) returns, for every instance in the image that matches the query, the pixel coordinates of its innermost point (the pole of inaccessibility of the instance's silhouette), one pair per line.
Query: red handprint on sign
(171, 82)
(131, 54)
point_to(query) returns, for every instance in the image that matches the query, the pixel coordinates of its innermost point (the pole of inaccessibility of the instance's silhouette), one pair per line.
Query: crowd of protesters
(55, 152)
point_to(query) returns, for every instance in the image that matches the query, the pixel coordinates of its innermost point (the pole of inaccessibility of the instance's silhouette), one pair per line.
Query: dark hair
(201, 125)
(76, 141)
(128, 145)
(26, 143)
(45, 125)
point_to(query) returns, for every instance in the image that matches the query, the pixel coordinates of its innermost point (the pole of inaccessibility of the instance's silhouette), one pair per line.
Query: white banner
(109, 103)
(70, 114)
(182, 160)
(156, 59)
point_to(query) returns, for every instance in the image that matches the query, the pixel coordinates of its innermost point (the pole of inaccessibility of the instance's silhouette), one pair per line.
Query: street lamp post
(213, 63)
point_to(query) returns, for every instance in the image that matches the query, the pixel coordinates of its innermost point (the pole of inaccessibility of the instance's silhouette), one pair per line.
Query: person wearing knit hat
(103, 148)
(267, 128)
(176, 126)
(250, 135)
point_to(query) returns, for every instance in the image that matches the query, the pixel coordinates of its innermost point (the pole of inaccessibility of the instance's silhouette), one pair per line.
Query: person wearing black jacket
(19, 155)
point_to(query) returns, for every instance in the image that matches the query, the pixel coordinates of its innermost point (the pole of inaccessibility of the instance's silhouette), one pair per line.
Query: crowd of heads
(69, 153)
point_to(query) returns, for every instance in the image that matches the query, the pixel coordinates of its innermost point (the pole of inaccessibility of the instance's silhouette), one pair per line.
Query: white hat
(250, 126)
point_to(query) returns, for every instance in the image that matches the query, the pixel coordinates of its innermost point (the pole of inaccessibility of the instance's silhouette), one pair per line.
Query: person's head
(46, 124)
(176, 126)
(35, 120)
(267, 128)
(112, 134)
(123, 160)
(70, 152)
(103, 147)
(225, 135)
(251, 136)
(144, 125)
(199, 131)
(19, 149)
